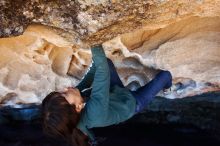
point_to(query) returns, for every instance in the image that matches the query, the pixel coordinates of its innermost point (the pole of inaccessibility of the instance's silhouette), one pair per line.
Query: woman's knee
(110, 63)
(109, 60)
(166, 74)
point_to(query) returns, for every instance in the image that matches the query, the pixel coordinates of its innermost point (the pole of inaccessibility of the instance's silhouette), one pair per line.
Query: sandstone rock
(188, 48)
(141, 37)
(31, 66)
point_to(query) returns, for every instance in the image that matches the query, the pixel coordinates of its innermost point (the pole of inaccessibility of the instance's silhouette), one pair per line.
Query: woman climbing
(99, 100)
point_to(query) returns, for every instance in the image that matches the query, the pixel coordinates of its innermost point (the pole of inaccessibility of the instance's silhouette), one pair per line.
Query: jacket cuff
(97, 50)
(98, 54)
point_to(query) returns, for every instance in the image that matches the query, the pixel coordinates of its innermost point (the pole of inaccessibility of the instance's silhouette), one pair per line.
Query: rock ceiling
(178, 36)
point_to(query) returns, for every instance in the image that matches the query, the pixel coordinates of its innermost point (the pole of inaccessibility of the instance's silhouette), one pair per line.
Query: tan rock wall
(141, 37)
(32, 65)
(189, 49)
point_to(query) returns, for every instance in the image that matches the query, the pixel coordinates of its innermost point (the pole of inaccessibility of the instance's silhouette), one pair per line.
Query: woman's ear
(78, 108)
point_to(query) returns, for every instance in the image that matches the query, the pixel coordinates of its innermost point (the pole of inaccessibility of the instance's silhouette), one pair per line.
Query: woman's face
(73, 96)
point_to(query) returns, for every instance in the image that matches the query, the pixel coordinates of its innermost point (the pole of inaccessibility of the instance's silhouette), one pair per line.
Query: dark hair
(60, 119)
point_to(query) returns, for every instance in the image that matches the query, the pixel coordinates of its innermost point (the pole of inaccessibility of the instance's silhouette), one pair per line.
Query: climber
(71, 114)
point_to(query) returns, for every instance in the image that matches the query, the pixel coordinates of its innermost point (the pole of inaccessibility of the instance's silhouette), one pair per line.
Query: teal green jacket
(106, 105)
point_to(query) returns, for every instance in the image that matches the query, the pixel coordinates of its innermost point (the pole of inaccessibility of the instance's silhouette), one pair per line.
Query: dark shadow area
(21, 133)
(134, 134)
(22, 126)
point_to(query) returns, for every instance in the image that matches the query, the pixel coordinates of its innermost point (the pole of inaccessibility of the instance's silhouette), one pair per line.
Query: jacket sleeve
(97, 106)
(87, 80)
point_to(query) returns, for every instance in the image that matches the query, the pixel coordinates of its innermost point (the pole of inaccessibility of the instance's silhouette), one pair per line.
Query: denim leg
(146, 93)
(114, 78)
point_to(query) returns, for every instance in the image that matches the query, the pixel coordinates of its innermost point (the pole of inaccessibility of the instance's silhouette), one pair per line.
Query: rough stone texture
(99, 20)
(16, 15)
(32, 65)
(142, 37)
(188, 48)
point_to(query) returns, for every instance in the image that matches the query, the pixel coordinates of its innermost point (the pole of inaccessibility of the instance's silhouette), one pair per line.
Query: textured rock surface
(99, 20)
(140, 36)
(30, 66)
(188, 48)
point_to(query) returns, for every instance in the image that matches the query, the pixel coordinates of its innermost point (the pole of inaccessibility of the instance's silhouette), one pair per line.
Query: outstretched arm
(99, 99)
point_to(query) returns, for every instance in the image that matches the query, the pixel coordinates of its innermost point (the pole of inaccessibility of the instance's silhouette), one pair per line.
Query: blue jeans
(144, 94)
